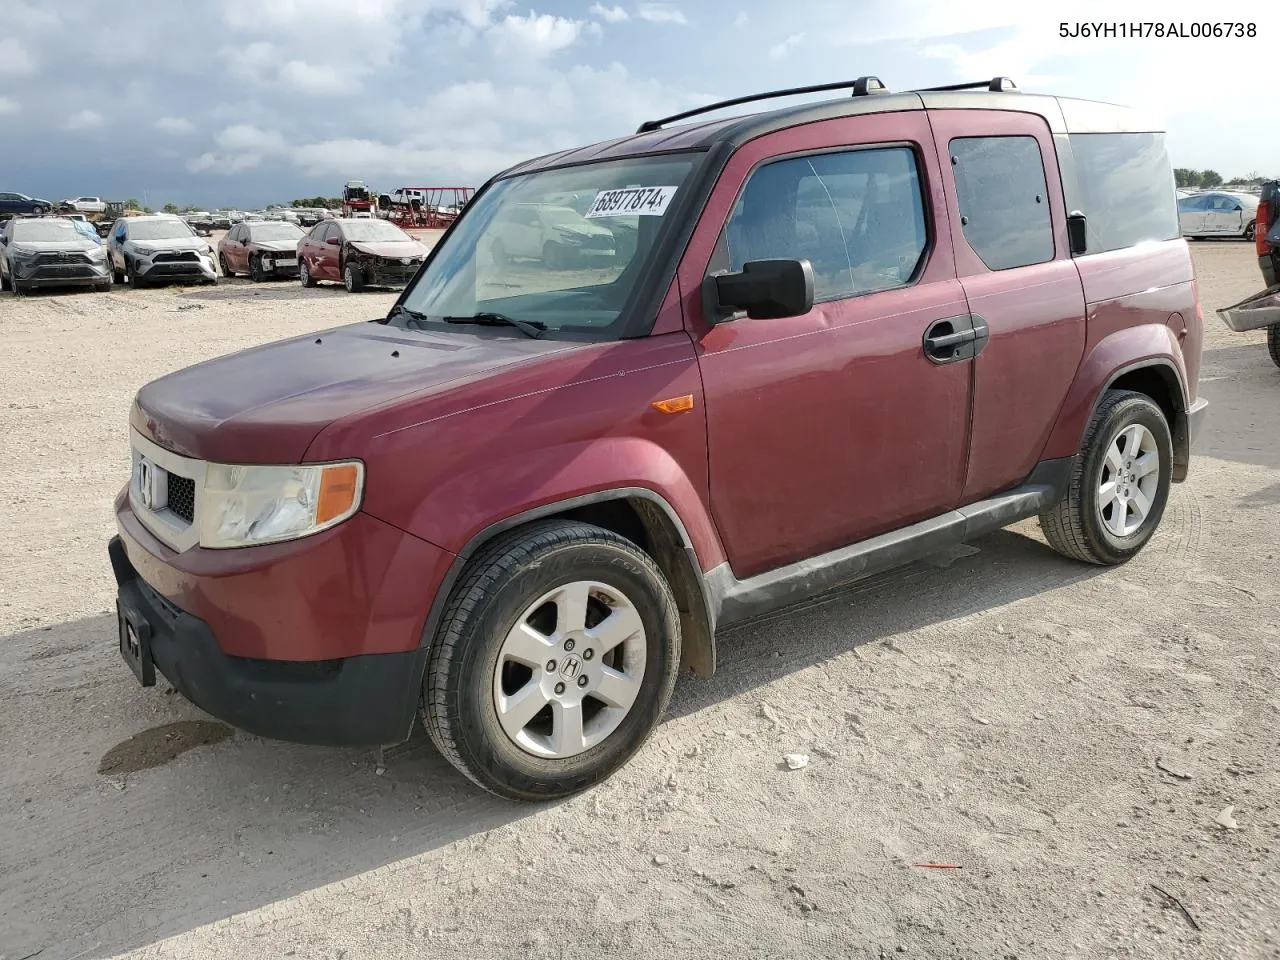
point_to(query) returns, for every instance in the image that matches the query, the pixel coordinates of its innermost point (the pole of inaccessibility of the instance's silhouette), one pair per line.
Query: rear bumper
(1196, 417)
(1258, 311)
(368, 700)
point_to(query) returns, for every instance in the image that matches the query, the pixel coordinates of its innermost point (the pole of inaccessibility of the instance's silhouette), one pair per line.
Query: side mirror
(1077, 238)
(765, 289)
(333, 241)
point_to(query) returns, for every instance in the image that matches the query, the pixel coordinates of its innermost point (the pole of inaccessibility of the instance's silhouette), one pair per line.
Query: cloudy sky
(245, 102)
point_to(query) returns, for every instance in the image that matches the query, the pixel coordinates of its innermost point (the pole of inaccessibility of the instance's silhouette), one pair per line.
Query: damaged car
(158, 247)
(1262, 310)
(359, 253)
(263, 249)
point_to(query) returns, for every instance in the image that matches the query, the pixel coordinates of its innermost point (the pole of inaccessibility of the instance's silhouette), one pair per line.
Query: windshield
(563, 248)
(371, 230)
(260, 232)
(159, 230)
(42, 230)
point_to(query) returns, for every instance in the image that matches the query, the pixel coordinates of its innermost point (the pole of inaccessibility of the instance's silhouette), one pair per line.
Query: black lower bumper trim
(368, 700)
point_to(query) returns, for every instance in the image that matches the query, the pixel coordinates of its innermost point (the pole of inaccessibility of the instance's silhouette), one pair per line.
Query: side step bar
(732, 600)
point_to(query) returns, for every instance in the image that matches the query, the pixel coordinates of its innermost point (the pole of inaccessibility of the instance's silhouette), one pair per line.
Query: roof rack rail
(995, 85)
(862, 87)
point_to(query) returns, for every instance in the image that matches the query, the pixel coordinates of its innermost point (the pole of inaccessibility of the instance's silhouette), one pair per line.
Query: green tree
(1210, 178)
(170, 208)
(147, 210)
(1184, 177)
(133, 203)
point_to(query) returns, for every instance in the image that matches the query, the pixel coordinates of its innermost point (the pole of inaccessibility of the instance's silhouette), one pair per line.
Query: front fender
(535, 482)
(1118, 353)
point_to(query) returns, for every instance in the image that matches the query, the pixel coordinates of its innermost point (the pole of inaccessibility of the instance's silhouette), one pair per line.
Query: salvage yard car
(359, 252)
(38, 253)
(156, 248)
(556, 235)
(1218, 215)
(20, 205)
(262, 249)
(850, 334)
(1262, 310)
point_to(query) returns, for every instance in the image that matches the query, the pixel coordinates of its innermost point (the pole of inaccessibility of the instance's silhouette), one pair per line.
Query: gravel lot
(1065, 735)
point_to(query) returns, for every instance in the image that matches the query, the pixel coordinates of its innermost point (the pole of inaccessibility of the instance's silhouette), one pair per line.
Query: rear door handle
(955, 338)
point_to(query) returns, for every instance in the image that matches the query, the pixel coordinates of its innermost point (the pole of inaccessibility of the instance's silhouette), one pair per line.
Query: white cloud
(661, 13)
(313, 79)
(206, 161)
(179, 126)
(9, 105)
(741, 20)
(614, 14)
(15, 59)
(245, 137)
(83, 121)
(780, 50)
(537, 35)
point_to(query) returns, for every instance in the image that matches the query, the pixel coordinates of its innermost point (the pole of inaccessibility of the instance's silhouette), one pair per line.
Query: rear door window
(857, 216)
(1003, 200)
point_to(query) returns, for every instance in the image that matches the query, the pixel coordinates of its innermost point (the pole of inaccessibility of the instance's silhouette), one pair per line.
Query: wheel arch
(1158, 379)
(642, 516)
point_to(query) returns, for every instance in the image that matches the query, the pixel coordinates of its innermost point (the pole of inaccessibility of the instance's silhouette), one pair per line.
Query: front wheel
(226, 267)
(554, 661)
(256, 273)
(1120, 483)
(1273, 343)
(352, 279)
(135, 281)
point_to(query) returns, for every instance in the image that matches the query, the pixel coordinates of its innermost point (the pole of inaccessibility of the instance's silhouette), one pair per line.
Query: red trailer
(426, 207)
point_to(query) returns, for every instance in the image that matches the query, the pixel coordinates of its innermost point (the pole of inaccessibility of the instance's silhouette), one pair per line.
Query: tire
(469, 667)
(1273, 343)
(1251, 231)
(352, 279)
(1084, 527)
(19, 288)
(4, 281)
(499, 253)
(226, 267)
(135, 281)
(304, 275)
(117, 275)
(256, 273)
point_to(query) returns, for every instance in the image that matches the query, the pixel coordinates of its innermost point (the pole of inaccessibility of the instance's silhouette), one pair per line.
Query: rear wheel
(554, 661)
(1250, 231)
(1120, 484)
(256, 273)
(352, 278)
(304, 275)
(1273, 343)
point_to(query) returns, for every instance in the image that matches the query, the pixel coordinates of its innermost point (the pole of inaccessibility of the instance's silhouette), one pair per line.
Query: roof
(1063, 115)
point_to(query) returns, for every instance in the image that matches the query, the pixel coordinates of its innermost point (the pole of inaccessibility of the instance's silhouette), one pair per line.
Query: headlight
(22, 253)
(143, 248)
(242, 506)
(97, 253)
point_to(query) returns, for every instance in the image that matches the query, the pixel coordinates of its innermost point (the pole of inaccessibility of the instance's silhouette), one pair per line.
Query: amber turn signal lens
(674, 404)
(338, 490)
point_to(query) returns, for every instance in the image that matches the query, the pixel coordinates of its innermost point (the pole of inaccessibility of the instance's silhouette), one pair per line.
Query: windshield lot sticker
(631, 202)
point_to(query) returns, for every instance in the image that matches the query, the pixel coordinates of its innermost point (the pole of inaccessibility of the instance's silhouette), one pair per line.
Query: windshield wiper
(530, 328)
(412, 317)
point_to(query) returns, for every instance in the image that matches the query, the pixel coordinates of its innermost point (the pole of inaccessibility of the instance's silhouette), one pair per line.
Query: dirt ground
(1064, 736)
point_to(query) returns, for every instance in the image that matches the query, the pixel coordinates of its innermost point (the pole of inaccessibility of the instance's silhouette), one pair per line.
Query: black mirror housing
(1077, 233)
(765, 289)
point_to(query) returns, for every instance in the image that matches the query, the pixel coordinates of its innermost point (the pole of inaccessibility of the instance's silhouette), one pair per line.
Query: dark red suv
(828, 340)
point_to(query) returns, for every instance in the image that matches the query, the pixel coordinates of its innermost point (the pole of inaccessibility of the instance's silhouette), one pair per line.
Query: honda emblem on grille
(151, 484)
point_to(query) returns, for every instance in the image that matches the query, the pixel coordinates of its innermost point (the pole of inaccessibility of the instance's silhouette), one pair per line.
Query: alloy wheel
(570, 669)
(1129, 480)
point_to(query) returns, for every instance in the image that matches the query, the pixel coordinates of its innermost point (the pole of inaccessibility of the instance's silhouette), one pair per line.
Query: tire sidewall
(480, 737)
(1130, 410)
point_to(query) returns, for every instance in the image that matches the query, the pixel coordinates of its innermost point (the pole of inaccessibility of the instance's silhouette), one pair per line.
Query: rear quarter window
(1126, 187)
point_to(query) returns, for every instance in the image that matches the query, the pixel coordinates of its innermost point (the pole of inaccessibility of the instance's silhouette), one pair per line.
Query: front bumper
(318, 640)
(46, 274)
(201, 268)
(358, 701)
(383, 273)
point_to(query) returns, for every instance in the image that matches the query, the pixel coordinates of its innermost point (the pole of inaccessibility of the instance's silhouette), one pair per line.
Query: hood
(79, 244)
(183, 243)
(266, 404)
(390, 248)
(275, 246)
